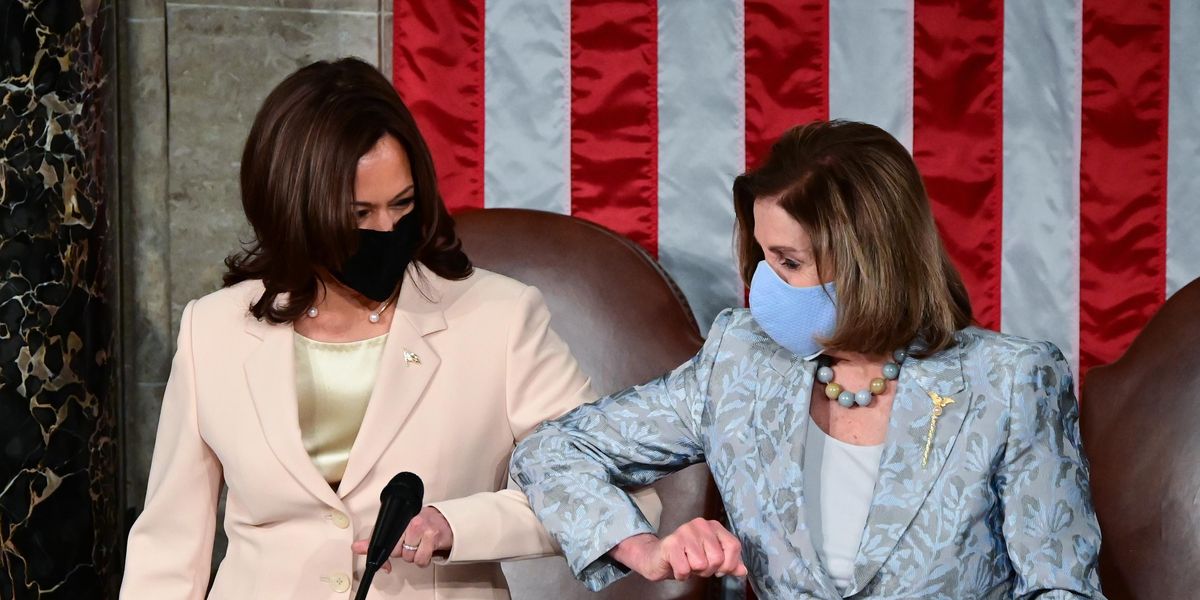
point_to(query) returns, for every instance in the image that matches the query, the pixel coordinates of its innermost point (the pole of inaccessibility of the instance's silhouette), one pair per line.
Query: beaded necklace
(878, 385)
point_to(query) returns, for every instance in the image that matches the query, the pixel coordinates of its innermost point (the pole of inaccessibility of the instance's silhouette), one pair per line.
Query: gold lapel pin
(939, 404)
(411, 358)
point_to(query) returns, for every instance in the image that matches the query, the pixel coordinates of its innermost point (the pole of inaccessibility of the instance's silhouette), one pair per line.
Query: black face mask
(377, 267)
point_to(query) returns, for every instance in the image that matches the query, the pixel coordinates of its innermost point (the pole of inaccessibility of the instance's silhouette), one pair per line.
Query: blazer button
(339, 519)
(338, 582)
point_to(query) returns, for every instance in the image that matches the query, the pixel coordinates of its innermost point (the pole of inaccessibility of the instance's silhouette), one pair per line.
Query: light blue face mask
(795, 317)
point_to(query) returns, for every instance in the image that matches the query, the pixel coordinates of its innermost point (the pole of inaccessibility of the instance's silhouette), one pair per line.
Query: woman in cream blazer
(466, 364)
(462, 377)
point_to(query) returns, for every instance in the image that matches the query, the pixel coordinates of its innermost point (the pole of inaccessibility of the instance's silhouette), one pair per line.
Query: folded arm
(543, 382)
(573, 468)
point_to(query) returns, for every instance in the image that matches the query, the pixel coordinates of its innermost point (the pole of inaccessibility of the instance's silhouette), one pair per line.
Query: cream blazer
(470, 367)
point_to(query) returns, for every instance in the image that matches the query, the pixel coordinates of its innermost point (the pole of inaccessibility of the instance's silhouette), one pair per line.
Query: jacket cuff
(597, 569)
(462, 519)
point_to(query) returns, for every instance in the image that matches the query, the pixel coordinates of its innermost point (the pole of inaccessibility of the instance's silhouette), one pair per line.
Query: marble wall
(59, 535)
(192, 77)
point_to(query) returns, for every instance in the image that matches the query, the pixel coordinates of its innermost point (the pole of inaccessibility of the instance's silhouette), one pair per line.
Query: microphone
(400, 501)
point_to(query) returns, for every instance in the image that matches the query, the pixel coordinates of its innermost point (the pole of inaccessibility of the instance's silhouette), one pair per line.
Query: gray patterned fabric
(1001, 510)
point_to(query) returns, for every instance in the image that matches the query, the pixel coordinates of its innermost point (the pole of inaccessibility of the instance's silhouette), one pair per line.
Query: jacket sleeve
(1050, 527)
(573, 468)
(170, 546)
(543, 382)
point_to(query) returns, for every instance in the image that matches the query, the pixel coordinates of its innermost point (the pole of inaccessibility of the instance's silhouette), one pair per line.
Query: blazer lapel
(782, 395)
(407, 366)
(903, 482)
(271, 376)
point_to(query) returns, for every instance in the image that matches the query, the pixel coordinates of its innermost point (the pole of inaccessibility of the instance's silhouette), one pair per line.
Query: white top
(839, 482)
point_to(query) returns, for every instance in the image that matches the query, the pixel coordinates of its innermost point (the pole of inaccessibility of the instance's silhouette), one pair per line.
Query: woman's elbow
(529, 458)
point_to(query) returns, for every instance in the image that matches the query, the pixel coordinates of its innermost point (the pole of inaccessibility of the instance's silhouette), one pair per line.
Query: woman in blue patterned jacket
(867, 441)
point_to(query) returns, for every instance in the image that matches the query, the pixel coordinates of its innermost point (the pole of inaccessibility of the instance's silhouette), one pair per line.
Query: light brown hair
(857, 193)
(297, 180)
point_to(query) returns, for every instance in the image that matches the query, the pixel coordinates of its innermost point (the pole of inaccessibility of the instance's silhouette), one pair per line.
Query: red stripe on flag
(787, 69)
(438, 70)
(958, 51)
(614, 116)
(1122, 173)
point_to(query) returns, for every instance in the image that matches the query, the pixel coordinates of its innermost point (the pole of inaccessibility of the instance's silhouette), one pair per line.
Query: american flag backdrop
(1059, 139)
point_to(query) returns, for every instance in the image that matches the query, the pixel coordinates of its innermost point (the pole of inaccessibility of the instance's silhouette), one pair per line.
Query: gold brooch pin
(411, 358)
(939, 403)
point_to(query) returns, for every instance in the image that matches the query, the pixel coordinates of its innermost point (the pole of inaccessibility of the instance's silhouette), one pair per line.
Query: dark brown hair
(297, 181)
(857, 193)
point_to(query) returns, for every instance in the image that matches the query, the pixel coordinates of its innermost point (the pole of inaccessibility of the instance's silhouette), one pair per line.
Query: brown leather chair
(626, 322)
(1141, 431)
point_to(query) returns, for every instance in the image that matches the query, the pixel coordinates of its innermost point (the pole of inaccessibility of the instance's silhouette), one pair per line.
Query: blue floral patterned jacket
(1002, 509)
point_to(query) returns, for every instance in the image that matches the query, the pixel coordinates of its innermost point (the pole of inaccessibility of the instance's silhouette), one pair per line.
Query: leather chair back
(1141, 428)
(626, 323)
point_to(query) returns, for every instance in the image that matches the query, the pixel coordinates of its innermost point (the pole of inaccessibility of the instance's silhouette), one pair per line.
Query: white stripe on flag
(1042, 79)
(701, 133)
(1183, 147)
(527, 105)
(871, 64)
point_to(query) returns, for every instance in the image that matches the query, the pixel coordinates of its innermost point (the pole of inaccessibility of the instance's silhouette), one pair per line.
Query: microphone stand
(399, 502)
(364, 586)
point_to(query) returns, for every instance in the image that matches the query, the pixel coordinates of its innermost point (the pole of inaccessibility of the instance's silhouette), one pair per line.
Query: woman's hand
(699, 547)
(428, 533)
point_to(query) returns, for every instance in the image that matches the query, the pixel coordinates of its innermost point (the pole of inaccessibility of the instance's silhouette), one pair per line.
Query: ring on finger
(408, 548)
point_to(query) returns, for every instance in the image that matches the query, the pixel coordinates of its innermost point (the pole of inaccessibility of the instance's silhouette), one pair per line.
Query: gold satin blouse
(333, 385)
